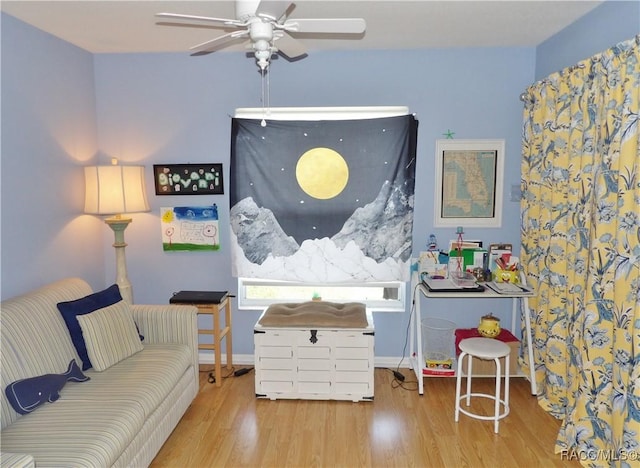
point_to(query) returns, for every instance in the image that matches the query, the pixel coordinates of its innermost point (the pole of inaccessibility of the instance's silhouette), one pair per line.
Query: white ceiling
(121, 26)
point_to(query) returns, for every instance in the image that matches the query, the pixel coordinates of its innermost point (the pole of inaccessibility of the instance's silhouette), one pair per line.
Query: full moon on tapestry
(323, 201)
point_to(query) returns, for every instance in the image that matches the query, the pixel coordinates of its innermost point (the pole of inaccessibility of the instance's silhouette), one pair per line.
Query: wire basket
(438, 339)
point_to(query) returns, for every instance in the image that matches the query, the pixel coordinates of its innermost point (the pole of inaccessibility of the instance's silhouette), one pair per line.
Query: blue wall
(600, 29)
(48, 133)
(69, 108)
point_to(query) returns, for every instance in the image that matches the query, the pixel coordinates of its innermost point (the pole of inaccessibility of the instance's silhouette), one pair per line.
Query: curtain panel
(323, 201)
(581, 251)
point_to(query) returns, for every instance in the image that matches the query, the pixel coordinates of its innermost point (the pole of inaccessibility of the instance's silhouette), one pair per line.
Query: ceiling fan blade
(218, 43)
(328, 25)
(209, 19)
(289, 46)
(272, 9)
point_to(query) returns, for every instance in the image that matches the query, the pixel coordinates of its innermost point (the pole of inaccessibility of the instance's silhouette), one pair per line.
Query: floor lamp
(116, 190)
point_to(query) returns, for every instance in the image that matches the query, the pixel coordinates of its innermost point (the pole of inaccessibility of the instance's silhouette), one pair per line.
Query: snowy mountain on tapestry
(323, 201)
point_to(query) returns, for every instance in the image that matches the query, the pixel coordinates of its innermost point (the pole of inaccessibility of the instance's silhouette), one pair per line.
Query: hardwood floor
(229, 427)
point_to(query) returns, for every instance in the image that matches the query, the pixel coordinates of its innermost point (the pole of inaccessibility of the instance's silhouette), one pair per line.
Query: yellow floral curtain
(581, 251)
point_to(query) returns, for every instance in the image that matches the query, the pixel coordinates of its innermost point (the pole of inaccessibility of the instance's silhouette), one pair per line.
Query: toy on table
(507, 268)
(433, 243)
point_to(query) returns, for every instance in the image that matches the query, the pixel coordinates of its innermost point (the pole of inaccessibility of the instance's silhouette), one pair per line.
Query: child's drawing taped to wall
(190, 228)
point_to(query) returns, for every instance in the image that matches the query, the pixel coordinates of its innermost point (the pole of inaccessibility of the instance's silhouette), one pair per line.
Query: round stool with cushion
(483, 348)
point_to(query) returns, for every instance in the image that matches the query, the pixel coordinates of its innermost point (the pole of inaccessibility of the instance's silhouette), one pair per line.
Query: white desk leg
(417, 332)
(412, 330)
(527, 322)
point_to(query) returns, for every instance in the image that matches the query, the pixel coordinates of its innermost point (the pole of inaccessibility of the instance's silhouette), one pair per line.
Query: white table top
(488, 293)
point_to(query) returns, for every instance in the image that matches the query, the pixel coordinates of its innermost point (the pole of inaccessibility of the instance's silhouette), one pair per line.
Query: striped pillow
(110, 335)
(71, 309)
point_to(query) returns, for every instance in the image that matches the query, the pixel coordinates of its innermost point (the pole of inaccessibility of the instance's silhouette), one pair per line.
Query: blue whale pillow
(25, 395)
(86, 305)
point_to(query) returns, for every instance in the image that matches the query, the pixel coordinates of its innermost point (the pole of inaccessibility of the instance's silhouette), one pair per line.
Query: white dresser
(322, 363)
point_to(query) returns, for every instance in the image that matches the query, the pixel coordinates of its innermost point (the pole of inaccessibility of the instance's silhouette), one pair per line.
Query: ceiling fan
(266, 27)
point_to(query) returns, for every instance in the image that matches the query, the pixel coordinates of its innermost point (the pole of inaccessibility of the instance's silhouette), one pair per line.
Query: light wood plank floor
(229, 427)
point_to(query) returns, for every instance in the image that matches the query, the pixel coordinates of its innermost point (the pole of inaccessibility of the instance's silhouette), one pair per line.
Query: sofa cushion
(110, 335)
(146, 377)
(70, 310)
(76, 433)
(25, 395)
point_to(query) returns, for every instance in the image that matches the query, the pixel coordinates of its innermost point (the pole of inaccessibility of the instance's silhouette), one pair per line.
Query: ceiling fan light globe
(262, 58)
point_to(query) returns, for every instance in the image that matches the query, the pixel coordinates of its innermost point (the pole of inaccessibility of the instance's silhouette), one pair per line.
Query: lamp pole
(119, 224)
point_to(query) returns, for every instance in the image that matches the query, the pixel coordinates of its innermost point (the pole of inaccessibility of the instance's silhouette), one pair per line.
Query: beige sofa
(123, 414)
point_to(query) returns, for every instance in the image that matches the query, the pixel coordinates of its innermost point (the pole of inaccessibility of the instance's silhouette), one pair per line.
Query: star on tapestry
(449, 134)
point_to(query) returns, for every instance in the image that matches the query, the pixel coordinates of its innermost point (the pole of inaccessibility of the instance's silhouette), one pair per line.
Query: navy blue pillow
(86, 305)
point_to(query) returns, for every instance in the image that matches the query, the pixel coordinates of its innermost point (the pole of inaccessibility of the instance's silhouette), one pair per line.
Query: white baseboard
(389, 362)
(206, 357)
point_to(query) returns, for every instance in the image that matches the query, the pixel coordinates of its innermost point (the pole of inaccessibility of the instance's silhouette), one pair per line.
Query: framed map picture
(469, 182)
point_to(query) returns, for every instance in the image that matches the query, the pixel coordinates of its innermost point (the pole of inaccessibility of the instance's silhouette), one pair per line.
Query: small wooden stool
(210, 303)
(483, 348)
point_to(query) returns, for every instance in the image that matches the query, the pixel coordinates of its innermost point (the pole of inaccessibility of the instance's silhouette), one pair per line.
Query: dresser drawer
(352, 365)
(314, 352)
(276, 352)
(352, 353)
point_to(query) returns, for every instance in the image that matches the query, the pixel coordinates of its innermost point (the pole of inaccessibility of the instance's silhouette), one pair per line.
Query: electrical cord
(242, 371)
(212, 377)
(233, 373)
(399, 381)
(399, 378)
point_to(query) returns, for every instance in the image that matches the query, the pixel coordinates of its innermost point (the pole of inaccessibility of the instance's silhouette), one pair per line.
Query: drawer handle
(314, 338)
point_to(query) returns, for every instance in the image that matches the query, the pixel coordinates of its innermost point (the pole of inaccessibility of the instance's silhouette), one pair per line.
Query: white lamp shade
(115, 190)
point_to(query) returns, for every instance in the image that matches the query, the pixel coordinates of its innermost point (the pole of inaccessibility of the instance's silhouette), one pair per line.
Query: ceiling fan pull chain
(268, 91)
(263, 123)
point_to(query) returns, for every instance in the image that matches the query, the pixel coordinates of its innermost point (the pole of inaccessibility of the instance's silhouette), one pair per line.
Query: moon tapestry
(323, 201)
